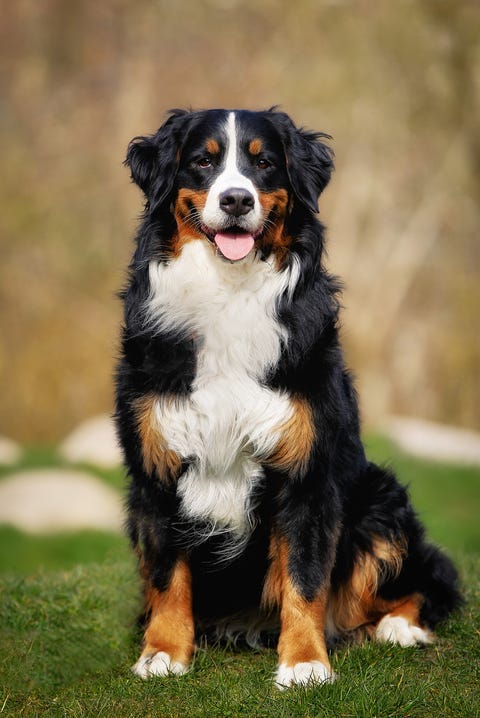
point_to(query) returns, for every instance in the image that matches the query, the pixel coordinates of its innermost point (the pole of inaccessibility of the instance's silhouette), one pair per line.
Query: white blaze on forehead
(231, 169)
(230, 177)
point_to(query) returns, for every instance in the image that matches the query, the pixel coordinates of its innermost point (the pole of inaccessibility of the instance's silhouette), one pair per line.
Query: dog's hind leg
(434, 594)
(401, 624)
(388, 582)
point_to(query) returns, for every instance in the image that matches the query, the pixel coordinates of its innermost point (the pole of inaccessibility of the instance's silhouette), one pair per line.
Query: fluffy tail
(441, 589)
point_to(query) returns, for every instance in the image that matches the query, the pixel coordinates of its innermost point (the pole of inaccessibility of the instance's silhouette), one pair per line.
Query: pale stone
(10, 451)
(430, 440)
(48, 500)
(93, 442)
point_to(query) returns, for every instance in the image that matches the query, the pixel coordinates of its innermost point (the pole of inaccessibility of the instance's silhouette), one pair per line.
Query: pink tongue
(234, 246)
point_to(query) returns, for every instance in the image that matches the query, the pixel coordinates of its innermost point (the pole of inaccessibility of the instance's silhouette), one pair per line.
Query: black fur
(330, 512)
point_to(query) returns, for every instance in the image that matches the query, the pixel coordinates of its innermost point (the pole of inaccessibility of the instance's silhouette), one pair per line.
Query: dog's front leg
(302, 651)
(169, 636)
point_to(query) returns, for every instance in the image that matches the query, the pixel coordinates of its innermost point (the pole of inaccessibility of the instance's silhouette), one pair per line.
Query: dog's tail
(440, 586)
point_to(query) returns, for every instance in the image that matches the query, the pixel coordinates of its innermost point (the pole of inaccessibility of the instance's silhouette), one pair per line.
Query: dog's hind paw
(396, 629)
(158, 664)
(310, 673)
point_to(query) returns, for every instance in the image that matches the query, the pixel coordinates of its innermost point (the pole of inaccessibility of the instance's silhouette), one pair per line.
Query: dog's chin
(232, 243)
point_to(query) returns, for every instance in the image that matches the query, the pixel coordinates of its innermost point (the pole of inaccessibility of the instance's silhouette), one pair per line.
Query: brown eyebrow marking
(255, 147)
(212, 146)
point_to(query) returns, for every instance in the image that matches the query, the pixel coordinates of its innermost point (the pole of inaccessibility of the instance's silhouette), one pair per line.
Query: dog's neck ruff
(230, 418)
(189, 292)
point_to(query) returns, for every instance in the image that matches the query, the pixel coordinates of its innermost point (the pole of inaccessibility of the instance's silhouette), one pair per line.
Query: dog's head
(231, 177)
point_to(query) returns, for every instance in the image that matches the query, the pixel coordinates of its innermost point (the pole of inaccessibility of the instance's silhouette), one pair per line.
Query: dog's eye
(204, 162)
(263, 164)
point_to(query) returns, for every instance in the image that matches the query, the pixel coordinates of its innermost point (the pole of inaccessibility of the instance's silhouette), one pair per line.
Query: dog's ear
(309, 160)
(309, 166)
(153, 159)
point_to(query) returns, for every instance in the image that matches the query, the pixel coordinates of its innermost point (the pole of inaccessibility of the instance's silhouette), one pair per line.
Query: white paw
(311, 673)
(396, 629)
(158, 664)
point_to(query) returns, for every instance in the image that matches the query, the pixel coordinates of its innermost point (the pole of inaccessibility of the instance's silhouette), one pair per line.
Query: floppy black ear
(309, 166)
(309, 160)
(153, 159)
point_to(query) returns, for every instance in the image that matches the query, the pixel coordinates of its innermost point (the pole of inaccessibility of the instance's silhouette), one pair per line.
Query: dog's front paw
(310, 673)
(158, 664)
(396, 629)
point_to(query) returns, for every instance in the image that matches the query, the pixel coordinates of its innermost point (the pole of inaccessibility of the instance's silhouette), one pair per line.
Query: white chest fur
(230, 419)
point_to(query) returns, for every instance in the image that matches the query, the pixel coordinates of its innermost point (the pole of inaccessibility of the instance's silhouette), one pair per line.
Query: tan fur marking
(212, 146)
(297, 437)
(156, 456)
(187, 210)
(255, 146)
(302, 633)
(275, 237)
(171, 626)
(355, 604)
(273, 585)
(408, 608)
(303, 628)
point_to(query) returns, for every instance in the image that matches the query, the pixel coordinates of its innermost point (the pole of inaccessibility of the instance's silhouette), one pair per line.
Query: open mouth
(233, 243)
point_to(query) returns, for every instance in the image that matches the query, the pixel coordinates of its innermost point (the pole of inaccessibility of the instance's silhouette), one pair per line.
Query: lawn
(67, 630)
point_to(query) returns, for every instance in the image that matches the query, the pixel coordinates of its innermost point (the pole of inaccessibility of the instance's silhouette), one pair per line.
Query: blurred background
(396, 84)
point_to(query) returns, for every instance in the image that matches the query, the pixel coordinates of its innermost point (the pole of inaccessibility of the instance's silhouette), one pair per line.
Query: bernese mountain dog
(252, 507)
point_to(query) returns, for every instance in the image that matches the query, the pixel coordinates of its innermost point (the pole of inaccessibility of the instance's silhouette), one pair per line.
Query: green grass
(68, 637)
(68, 640)
(24, 554)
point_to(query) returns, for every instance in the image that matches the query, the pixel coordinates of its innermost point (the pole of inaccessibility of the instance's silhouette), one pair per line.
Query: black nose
(237, 201)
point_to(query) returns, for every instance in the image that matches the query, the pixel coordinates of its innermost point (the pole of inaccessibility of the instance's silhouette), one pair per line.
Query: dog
(251, 506)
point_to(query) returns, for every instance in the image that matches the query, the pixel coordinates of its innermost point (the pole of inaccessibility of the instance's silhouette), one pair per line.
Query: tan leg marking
(400, 622)
(407, 607)
(156, 456)
(355, 603)
(171, 627)
(302, 633)
(356, 609)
